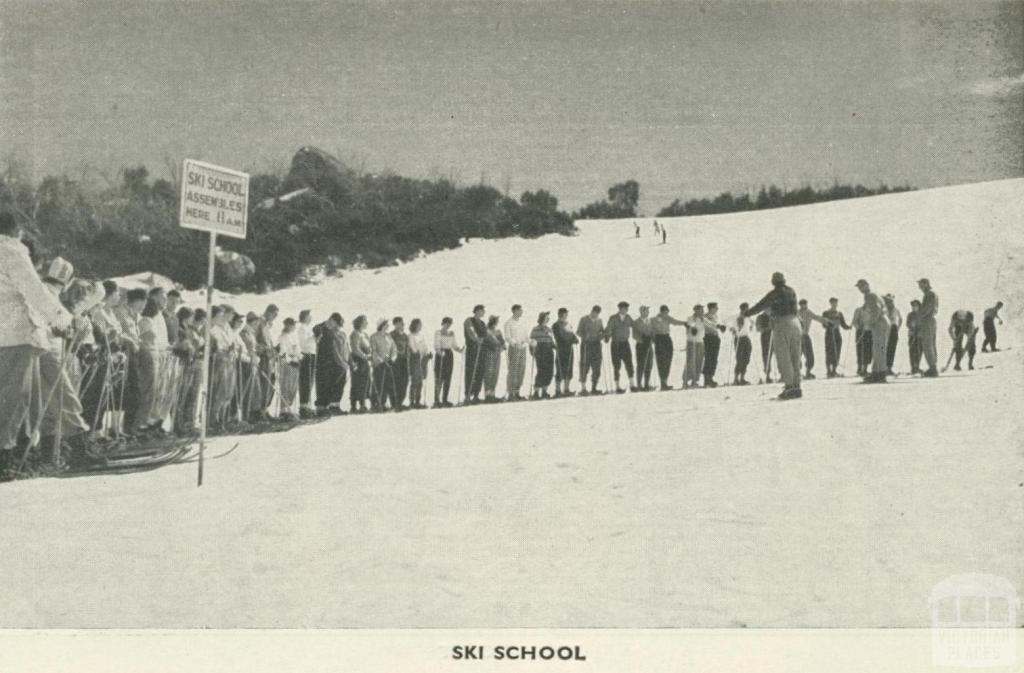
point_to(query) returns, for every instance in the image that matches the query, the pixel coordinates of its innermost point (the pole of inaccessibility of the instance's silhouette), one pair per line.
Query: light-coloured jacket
(29, 310)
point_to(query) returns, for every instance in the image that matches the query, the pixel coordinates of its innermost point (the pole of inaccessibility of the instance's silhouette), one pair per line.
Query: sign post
(215, 200)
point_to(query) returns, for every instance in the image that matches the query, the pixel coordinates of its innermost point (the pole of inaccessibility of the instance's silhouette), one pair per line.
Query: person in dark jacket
(401, 366)
(474, 329)
(565, 339)
(989, 325)
(834, 321)
(913, 340)
(786, 333)
(332, 356)
(712, 344)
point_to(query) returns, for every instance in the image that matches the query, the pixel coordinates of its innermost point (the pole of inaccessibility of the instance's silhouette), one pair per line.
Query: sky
(689, 99)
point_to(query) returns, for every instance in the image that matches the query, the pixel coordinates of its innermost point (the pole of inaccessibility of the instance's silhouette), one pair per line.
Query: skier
(695, 330)
(542, 348)
(445, 348)
(307, 367)
(400, 368)
(807, 316)
(419, 360)
(591, 332)
(564, 340)
(763, 325)
(657, 229)
(474, 329)
(362, 365)
(643, 334)
(492, 346)
(663, 346)
(517, 339)
(617, 330)
(332, 366)
(741, 346)
(712, 344)
(989, 323)
(664, 236)
(926, 327)
(895, 322)
(781, 301)
(383, 355)
(864, 345)
(637, 227)
(834, 320)
(875, 319)
(913, 338)
(961, 328)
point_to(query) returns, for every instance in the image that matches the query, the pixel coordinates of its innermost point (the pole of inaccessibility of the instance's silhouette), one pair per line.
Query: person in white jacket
(30, 314)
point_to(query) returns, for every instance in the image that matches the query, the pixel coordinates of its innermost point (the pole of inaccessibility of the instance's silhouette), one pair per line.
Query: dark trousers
(545, 356)
(766, 351)
(890, 353)
(865, 344)
(644, 361)
(743, 350)
(330, 383)
(915, 353)
(989, 326)
(360, 383)
(563, 366)
(959, 348)
(400, 371)
(833, 348)
(474, 374)
(591, 356)
(307, 371)
(663, 356)
(621, 354)
(444, 363)
(807, 347)
(383, 387)
(712, 344)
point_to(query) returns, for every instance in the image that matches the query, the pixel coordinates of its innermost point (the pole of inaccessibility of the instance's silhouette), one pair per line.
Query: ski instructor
(786, 333)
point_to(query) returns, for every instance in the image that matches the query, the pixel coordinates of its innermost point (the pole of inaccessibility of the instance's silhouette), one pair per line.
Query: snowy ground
(699, 508)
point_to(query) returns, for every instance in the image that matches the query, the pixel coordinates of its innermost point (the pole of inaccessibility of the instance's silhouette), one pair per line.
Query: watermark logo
(973, 621)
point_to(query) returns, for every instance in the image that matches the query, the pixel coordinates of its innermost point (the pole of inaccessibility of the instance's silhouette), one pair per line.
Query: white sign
(214, 199)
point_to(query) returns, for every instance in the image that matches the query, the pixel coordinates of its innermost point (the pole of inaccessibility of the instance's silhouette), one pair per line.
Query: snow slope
(699, 508)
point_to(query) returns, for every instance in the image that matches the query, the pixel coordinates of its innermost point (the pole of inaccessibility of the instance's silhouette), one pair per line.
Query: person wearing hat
(565, 339)
(874, 318)
(926, 326)
(742, 346)
(664, 349)
(591, 334)
(617, 330)
(30, 313)
(785, 333)
(382, 355)
(989, 324)
(807, 316)
(333, 359)
(517, 339)
(834, 320)
(895, 322)
(542, 348)
(474, 329)
(712, 344)
(643, 334)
